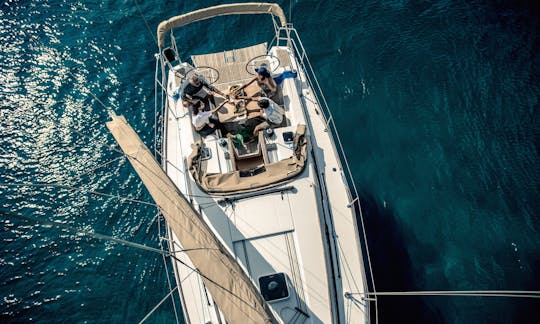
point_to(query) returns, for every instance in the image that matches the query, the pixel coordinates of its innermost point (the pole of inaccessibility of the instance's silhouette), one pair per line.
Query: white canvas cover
(221, 10)
(233, 182)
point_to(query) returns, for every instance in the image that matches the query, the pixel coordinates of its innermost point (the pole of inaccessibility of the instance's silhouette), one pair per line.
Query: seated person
(272, 114)
(197, 89)
(203, 121)
(264, 81)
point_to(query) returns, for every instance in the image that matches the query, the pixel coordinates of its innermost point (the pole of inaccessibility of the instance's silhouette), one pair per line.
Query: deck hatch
(274, 286)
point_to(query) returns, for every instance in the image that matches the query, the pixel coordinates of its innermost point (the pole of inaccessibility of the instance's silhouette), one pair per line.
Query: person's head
(262, 72)
(195, 80)
(263, 103)
(196, 107)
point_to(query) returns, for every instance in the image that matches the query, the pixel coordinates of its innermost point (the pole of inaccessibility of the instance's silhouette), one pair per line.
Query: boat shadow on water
(393, 266)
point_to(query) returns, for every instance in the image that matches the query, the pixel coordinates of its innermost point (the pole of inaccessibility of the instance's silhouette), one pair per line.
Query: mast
(232, 290)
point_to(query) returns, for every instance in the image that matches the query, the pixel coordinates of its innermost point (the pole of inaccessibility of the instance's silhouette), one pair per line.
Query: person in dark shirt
(198, 89)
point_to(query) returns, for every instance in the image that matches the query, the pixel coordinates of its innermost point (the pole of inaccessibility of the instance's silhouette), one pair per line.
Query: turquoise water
(436, 103)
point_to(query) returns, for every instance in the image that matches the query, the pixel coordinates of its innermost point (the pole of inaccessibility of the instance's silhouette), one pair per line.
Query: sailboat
(263, 224)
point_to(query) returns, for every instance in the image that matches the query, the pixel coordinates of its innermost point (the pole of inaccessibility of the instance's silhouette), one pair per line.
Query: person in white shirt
(272, 114)
(203, 121)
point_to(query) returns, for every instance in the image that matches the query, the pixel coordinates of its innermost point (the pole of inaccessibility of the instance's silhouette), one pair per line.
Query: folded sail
(232, 290)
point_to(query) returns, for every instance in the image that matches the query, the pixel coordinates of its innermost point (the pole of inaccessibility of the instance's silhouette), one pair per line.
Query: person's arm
(257, 129)
(214, 89)
(219, 106)
(254, 97)
(245, 85)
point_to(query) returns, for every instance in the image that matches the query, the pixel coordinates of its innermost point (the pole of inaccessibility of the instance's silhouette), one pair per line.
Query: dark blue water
(437, 106)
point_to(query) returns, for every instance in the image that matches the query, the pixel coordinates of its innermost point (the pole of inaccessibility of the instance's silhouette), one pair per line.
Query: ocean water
(437, 104)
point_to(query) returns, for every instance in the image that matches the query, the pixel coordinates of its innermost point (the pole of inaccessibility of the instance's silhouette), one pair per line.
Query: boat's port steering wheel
(271, 61)
(209, 74)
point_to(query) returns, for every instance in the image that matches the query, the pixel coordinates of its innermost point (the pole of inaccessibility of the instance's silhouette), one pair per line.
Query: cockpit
(249, 136)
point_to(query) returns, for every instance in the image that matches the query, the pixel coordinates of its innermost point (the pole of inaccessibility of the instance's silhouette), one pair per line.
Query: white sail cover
(232, 290)
(221, 10)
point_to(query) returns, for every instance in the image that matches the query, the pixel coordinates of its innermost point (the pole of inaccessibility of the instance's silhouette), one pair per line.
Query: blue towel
(285, 75)
(176, 94)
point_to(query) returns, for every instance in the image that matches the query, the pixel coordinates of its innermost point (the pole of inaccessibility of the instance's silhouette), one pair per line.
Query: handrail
(221, 10)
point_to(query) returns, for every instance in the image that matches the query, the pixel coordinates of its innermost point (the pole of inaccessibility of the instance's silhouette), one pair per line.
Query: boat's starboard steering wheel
(271, 61)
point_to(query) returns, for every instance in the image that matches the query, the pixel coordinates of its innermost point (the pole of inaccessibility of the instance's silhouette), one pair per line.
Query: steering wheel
(271, 61)
(208, 73)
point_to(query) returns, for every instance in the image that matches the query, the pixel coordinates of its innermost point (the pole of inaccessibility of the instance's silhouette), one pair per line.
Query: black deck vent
(274, 286)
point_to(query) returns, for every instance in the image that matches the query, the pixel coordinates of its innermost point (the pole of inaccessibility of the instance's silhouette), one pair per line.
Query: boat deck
(231, 65)
(283, 230)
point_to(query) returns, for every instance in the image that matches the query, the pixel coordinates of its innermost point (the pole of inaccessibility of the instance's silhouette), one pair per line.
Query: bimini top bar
(222, 10)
